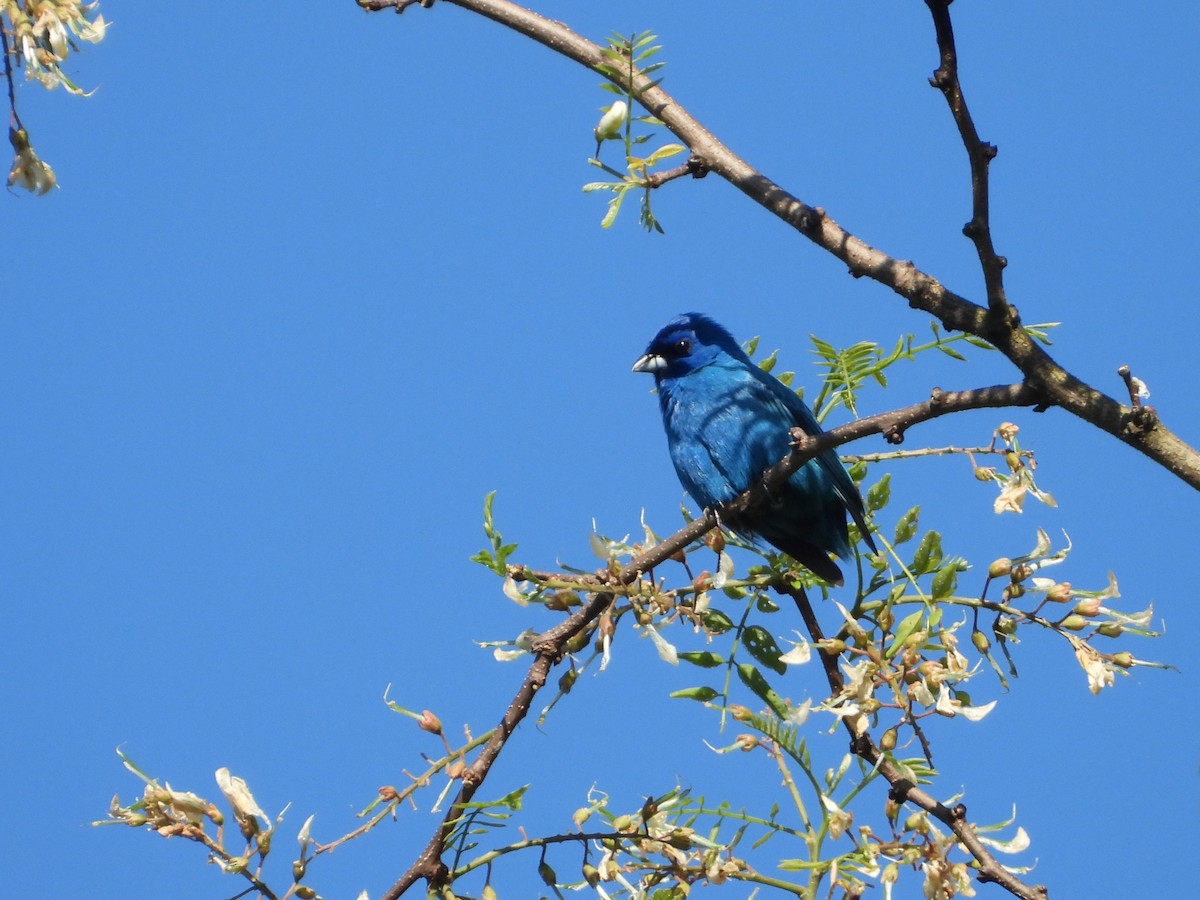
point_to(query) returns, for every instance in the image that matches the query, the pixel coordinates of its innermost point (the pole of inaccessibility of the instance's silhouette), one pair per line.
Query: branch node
(959, 811)
(1140, 420)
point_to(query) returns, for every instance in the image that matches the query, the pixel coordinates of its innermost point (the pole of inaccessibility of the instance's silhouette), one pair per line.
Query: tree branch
(980, 154)
(551, 646)
(1140, 428)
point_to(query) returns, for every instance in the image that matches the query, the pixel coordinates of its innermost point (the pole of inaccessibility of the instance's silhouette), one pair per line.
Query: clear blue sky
(317, 281)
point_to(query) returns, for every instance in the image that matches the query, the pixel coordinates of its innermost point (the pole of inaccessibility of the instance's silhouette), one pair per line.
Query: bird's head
(685, 344)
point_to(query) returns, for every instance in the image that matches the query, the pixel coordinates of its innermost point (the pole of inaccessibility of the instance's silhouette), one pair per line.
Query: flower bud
(1013, 459)
(591, 874)
(980, 640)
(1060, 593)
(887, 741)
(746, 742)
(1013, 591)
(1111, 629)
(567, 680)
(547, 874)
(1088, 606)
(891, 809)
(681, 839)
(1007, 431)
(612, 121)
(1124, 659)
(1073, 623)
(299, 867)
(388, 793)
(715, 540)
(624, 824)
(562, 600)
(984, 473)
(1000, 567)
(739, 713)
(429, 722)
(456, 769)
(488, 893)
(1020, 572)
(578, 642)
(304, 892)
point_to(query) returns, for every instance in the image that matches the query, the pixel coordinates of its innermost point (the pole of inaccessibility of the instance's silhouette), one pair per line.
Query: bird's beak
(651, 362)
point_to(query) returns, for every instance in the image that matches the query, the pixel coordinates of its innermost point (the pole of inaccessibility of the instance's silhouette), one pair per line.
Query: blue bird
(727, 422)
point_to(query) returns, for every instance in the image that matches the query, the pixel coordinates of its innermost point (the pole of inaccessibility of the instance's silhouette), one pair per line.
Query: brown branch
(550, 646)
(922, 291)
(980, 154)
(694, 167)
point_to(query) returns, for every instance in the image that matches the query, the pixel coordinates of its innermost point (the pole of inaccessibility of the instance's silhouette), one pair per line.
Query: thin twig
(979, 229)
(930, 451)
(14, 118)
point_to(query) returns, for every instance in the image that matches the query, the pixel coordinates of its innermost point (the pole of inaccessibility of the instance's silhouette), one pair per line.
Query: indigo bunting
(727, 422)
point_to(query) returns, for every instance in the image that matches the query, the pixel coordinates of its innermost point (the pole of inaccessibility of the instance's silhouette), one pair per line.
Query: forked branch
(998, 323)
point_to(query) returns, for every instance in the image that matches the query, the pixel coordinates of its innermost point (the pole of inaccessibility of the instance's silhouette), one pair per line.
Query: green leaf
(951, 352)
(614, 207)
(904, 631)
(762, 647)
(764, 604)
(945, 581)
(768, 363)
(906, 528)
(705, 659)
(653, 84)
(716, 622)
(665, 152)
(497, 558)
(753, 679)
(703, 694)
(928, 555)
(880, 493)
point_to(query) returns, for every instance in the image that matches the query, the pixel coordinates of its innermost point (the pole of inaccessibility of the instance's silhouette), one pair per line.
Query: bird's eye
(683, 347)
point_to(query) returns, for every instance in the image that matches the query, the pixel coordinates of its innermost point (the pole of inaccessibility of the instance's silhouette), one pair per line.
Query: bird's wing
(804, 419)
